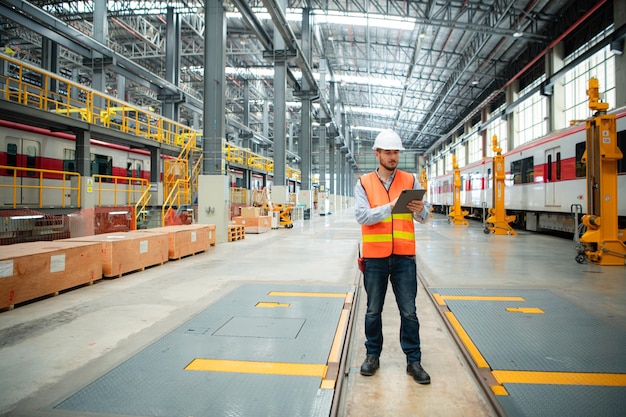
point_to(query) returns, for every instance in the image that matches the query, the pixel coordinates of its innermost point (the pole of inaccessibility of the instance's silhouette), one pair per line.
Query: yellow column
(457, 216)
(498, 221)
(603, 242)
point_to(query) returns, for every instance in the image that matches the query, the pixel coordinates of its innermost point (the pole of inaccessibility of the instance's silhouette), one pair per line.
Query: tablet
(405, 198)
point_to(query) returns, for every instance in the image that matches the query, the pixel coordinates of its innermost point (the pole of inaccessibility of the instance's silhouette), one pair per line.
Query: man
(388, 242)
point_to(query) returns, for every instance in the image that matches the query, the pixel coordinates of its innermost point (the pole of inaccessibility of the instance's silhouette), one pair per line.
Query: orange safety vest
(395, 234)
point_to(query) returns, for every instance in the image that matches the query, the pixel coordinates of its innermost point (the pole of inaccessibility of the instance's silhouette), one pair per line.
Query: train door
(24, 153)
(552, 176)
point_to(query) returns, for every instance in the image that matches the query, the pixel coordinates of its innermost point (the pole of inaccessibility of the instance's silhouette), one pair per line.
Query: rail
(24, 179)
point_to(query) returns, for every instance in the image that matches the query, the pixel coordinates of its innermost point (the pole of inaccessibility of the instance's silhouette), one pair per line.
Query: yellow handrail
(115, 183)
(38, 176)
(29, 85)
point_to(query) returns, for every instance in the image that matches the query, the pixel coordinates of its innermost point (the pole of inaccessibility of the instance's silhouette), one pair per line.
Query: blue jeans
(402, 273)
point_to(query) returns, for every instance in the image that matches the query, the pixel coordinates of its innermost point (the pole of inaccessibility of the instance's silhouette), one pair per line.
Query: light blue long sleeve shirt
(367, 215)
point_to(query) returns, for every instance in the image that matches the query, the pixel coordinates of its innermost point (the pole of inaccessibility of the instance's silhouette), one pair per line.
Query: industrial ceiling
(423, 68)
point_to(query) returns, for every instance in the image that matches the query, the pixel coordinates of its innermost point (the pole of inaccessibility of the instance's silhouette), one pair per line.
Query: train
(545, 185)
(39, 157)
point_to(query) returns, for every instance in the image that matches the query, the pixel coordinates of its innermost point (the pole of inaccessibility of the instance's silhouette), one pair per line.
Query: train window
(31, 159)
(558, 166)
(523, 171)
(581, 167)
(102, 165)
(621, 143)
(548, 177)
(11, 156)
(129, 169)
(138, 169)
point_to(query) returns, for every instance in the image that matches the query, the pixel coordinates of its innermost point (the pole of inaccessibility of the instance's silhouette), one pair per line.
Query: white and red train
(31, 147)
(545, 182)
(24, 146)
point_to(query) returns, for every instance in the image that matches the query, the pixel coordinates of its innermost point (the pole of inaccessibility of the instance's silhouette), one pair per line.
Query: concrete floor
(57, 345)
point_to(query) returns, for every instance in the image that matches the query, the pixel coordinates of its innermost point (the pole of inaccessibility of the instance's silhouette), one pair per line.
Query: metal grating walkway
(261, 350)
(546, 356)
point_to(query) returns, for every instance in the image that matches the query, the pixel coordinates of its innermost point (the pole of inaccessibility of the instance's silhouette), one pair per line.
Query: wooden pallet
(236, 232)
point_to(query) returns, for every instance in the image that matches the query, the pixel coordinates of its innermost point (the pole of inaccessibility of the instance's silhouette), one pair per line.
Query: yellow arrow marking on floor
(249, 367)
(525, 310)
(441, 298)
(271, 304)
(560, 378)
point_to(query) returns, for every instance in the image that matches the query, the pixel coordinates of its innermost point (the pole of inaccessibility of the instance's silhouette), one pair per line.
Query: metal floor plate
(296, 329)
(546, 335)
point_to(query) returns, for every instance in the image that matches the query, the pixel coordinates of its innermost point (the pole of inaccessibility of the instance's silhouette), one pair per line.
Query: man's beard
(389, 167)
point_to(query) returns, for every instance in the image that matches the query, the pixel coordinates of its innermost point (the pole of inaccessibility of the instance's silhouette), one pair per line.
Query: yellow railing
(238, 195)
(29, 85)
(140, 207)
(131, 188)
(34, 179)
(175, 197)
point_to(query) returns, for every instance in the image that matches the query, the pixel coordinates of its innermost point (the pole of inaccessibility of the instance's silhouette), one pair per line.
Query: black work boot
(370, 365)
(417, 372)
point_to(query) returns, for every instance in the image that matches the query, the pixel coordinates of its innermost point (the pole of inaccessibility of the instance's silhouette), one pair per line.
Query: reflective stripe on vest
(396, 233)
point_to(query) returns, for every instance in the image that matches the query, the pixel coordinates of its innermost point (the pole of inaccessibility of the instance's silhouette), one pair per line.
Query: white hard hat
(389, 140)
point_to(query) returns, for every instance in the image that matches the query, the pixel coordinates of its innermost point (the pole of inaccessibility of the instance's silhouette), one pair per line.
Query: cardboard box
(36, 269)
(259, 224)
(250, 212)
(129, 251)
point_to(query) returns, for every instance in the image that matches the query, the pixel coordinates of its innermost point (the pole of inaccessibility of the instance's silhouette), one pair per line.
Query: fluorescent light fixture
(518, 33)
(371, 110)
(253, 72)
(370, 128)
(27, 217)
(117, 213)
(377, 82)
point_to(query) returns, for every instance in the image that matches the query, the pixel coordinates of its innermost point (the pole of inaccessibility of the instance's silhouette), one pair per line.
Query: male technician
(388, 242)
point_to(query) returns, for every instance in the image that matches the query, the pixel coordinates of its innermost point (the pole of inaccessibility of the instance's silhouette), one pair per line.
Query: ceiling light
(518, 33)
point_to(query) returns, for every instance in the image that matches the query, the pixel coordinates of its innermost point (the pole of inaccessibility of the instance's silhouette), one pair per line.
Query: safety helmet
(388, 140)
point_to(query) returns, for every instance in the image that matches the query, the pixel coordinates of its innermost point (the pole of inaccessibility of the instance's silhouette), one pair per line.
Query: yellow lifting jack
(603, 241)
(457, 216)
(498, 219)
(423, 180)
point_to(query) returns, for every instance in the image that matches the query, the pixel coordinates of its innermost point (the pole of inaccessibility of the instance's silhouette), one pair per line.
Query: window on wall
(499, 129)
(600, 65)
(531, 115)
(460, 155)
(475, 146)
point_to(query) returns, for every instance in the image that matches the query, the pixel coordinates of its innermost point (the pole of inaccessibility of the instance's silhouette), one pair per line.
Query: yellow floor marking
(271, 304)
(439, 299)
(467, 341)
(499, 390)
(481, 298)
(248, 367)
(335, 350)
(306, 294)
(559, 378)
(525, 310)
